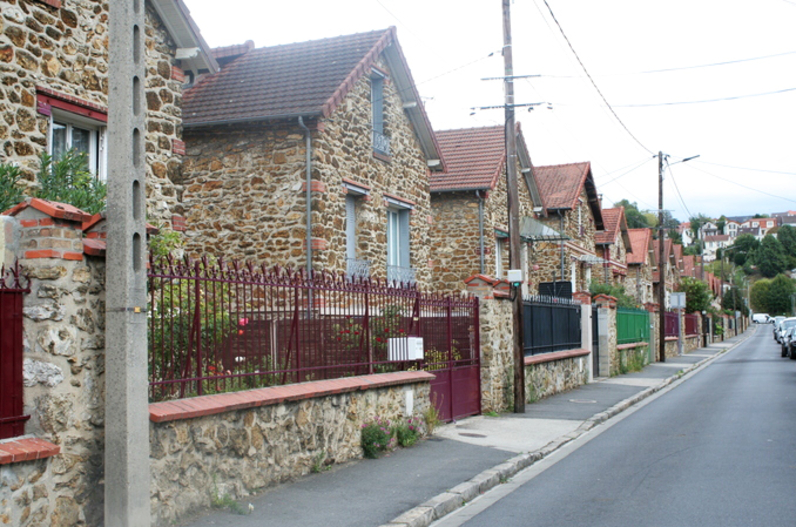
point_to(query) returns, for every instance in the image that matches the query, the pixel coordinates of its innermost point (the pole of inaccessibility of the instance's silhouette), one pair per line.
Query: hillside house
(640, 263)
(614, 244)
(338, 120)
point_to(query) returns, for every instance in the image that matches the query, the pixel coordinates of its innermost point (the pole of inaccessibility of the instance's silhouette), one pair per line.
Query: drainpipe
(480, 229)
(561, 229)
(308, 181)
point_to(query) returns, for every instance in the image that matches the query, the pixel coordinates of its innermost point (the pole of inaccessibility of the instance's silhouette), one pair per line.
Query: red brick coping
(670, 339)
(228, 402)
(632, 345)
(26, 449)
(554, 356)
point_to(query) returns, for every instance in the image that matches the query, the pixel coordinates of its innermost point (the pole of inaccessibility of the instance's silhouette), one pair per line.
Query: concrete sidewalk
(415, 486)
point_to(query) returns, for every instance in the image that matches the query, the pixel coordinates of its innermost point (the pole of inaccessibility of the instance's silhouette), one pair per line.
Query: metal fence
(12, 420)
(632, 325)
(692, 324)
(215, 327)
(671, 321)
(550, 323)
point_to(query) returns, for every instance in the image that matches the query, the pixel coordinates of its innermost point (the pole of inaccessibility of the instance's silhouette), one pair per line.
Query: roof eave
(251, 119)
(183, 29)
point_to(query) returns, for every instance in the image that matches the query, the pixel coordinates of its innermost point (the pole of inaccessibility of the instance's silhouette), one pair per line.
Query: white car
(784, 326)
(760, 318)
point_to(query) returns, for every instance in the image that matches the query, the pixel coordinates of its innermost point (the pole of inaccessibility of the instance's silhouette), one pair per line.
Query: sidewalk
(415, 486)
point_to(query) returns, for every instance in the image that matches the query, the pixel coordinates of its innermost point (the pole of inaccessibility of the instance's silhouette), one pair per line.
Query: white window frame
(98, 144)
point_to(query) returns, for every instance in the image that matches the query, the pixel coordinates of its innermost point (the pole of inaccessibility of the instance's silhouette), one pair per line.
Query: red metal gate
(454, 357)
(12, 422)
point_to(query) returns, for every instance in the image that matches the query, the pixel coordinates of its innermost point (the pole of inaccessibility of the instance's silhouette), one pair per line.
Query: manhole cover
(468, 434)
(583, 401)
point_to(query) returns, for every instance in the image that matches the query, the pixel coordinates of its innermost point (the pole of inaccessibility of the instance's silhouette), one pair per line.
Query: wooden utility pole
(514, 211)
(661, 266)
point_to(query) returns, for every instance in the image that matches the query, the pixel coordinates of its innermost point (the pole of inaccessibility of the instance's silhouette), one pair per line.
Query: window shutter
(351, 226)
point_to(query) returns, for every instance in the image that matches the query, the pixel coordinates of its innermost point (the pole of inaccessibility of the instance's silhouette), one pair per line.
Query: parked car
(760, 318)
(789, 343)
(777, 321)
(784, 326)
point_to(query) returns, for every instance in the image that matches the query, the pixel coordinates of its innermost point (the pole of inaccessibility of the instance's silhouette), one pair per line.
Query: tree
(721, 223)
(787, 237)
(669, 221)
(692, 250)
(770, 257)
(779, 293)
(733, 300)
(697, 295)
(760, 216)
(743, 248)
(758, 295)
(675, 236)
(635, 219)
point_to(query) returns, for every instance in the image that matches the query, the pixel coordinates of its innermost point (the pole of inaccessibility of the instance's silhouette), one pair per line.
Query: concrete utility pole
(514, 211)
(661, 266)
(126, 404)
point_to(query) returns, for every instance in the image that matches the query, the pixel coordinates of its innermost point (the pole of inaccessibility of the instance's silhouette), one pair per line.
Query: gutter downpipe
(561, 229)
(308, 181)
(480, 229)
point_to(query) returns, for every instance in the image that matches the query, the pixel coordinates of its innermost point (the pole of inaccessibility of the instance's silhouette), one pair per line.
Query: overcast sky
(652, 61)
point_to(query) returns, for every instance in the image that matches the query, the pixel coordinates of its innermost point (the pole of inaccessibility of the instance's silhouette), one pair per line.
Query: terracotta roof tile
(561, 185)
(474, 158)
(612, 222)
(283, 81)
(640, 241)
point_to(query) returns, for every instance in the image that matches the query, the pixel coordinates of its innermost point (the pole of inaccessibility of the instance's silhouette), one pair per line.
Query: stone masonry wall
(65, 49)
(245, 188)
(549, 378)
(242, 452)
(497, 358)
(64, 388)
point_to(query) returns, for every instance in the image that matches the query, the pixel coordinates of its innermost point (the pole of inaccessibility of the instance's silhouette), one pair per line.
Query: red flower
(400, 331)
(240, 332)
(386, 330)
(378, 339)
(339, 338)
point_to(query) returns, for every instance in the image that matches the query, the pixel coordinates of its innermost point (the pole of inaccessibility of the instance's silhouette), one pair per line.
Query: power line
(638, 165)
(750, 169)
(561, 29)
(743, 186)
(678, 68)
(731, 98)
(679, 195)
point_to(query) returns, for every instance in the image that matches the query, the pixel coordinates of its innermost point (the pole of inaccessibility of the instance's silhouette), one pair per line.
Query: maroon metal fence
(692, 324)
(215, 327)
(671, 323)
(12, 420)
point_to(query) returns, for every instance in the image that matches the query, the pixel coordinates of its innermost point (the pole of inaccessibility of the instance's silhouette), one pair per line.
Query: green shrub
(377, 437)
(68, 180)
(10, 194)
(407, 433)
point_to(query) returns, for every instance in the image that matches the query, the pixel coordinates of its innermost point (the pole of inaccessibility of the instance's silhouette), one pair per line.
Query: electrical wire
(561, 29)
(679, 195)
(722, 99)
(638, 165)
(744, 186)
(750, 169)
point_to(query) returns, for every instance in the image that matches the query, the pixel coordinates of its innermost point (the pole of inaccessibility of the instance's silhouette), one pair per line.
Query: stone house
(54, 95)
(672, 278)
(613, 245)
(316, 155)
(573, 209)
(640, 262)
(470, 209)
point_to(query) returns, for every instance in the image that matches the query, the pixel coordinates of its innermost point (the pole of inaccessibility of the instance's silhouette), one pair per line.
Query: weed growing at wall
(377, 437)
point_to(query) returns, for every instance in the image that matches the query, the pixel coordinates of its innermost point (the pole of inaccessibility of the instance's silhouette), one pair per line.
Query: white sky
(448, 44)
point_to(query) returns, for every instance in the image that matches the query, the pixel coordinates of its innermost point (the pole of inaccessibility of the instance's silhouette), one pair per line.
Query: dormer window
(381, 143)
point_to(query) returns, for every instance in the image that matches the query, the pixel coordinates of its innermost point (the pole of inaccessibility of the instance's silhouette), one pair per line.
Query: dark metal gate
(12, 420)
(595, 341)
(454, 357)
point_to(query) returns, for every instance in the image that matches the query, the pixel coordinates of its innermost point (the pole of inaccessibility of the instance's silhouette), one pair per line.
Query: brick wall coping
(692, 335)
(556, 355)
(26, 449)
(670, 339)
(632, 345)
(227, 402)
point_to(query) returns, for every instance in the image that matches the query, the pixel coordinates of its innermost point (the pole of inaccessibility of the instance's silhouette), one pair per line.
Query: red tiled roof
(233, 50)
(561, 185)
(612, 223)
(718, 238)
(305, 78)
(640, 242)
(474, 157)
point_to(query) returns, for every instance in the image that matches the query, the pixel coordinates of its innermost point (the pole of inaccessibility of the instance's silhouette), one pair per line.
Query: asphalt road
(718, 449)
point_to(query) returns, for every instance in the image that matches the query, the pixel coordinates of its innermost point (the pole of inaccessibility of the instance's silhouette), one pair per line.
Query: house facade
(54, 63)
(470, 209)
(672, 275)
(573, 210)
(713, 243)
(640, 262)
(614, 244)
(338, 120)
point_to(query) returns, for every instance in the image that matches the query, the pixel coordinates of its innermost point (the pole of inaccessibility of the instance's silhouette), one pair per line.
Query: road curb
(447, 502)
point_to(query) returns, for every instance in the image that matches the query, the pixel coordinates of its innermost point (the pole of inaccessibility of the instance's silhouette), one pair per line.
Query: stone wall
(556, 376)
(497, 356)
(64, 383)
(638, 283)
(245, 196)
(65, 50)
(242, 452)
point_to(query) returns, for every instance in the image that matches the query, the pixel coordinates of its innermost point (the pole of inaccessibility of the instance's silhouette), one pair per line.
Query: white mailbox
(406, 348)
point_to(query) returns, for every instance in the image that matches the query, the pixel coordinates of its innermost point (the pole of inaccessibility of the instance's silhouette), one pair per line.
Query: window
(72, 132)
(398, 266)
(355, 267)
(381, 143)
(500, 244)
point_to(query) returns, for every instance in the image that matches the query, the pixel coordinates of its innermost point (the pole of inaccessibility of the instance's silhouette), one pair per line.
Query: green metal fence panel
(632, 325)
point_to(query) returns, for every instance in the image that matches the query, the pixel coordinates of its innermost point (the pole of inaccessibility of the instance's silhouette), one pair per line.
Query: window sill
(26, 449)
(382, 157)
